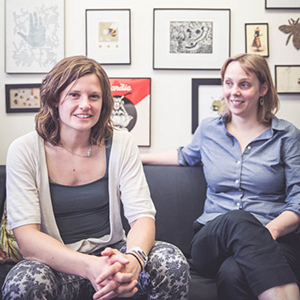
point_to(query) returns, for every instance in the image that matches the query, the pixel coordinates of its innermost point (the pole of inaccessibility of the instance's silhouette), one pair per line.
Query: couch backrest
(178, 194)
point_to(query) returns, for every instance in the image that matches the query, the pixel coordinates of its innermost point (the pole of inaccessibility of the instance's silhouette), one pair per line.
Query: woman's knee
(231, 282)
(29, 280)
(168, 270)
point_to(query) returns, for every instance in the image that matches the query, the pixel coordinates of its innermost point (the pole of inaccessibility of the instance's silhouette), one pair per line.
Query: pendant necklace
(89, 154)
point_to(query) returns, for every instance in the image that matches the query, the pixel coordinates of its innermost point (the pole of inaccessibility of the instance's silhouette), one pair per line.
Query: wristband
(136, 259)
(140, 253)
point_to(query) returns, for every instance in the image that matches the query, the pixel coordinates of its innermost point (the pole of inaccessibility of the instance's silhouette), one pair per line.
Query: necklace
(89, 154)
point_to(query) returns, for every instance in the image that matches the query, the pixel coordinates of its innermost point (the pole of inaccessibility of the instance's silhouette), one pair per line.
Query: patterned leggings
(165, 277)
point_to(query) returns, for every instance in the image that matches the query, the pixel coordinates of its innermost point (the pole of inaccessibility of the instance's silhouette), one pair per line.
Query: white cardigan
(28, 192)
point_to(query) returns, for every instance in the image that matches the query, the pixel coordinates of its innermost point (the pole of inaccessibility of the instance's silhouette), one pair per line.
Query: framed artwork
(34, 35)
(190, 39)
(287, 79)
(257, 38)
(207, 99)
(22, 98)
(108, 36)
(132, 98)
(282, 4)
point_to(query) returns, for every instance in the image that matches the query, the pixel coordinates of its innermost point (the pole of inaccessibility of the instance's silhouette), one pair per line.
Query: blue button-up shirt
(263, 180)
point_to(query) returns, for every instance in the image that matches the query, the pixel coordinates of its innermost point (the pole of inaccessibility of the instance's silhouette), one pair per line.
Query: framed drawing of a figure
(34, 35)
(257, 38)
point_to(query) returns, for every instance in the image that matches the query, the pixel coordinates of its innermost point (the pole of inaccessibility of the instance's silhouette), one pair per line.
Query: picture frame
(190, 39)
(257, 38)
(34, 35)
(108, 36)
(287, 79)
(282, 4)
(132, 107)
(207, 99)
(22, 98)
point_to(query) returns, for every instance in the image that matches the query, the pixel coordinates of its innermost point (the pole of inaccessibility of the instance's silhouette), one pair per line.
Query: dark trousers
(237, 250)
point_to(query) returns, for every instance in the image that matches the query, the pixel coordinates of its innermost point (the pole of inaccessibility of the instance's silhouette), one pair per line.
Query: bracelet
(136, 259)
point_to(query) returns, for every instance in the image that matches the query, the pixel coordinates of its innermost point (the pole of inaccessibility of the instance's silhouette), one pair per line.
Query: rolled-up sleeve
(190, 155)
(291, 159)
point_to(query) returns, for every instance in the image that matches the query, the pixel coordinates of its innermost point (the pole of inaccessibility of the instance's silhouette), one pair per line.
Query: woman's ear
(264, 89)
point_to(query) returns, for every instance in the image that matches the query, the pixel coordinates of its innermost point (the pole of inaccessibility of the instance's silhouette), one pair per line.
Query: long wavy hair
(63, 73)
(256, 64)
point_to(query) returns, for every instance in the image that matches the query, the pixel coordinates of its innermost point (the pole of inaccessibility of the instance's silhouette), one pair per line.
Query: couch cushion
(178, 194)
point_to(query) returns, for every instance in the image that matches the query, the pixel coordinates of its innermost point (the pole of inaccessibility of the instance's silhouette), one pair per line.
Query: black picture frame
(201, 49)
(196, 83)
(282, 4)
(23, 98)
(287, 79)
(257, 38)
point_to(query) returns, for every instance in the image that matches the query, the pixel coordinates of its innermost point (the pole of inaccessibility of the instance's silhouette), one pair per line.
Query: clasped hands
(118, 276)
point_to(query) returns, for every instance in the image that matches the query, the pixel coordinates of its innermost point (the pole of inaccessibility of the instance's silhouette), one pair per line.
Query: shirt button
(249, 147)
(238, 204)
(238, 162)
(237, 181)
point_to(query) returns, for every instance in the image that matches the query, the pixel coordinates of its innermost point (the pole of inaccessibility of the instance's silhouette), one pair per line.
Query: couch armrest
(2, 189)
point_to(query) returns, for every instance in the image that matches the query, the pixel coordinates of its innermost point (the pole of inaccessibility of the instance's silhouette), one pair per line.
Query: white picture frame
(108, 36)
(34, 35)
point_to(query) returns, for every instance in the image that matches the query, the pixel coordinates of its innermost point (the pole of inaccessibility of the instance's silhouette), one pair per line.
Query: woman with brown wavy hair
(65, 184)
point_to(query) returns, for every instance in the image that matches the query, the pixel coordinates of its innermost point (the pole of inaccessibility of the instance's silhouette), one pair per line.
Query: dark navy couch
(178, 194)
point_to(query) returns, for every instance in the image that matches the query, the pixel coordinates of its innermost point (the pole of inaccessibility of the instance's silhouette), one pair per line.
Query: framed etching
(257, 38)
(287, 79)
(284, 4)
(34, 35)
(108, 36)
(22, 98)
(131, 111)
(190, 39)
(207, 99)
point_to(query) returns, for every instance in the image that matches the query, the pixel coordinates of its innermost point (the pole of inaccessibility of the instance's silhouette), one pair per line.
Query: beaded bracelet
(136, 259)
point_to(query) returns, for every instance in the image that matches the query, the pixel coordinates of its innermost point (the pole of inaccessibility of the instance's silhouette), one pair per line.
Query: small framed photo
(207, 97)
(132, 107)
(283, 4)
(257, 38)
(108, 36)
(287, 79)
(22, 98)
(34, 35)
(190, 39)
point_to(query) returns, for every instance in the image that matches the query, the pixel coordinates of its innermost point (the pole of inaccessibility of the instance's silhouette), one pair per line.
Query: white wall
(171, 90)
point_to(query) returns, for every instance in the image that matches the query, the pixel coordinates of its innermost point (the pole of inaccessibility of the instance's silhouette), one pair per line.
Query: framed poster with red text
(132, 107)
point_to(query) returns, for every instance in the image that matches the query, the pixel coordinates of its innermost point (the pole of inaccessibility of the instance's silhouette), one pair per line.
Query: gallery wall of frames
(163, 61)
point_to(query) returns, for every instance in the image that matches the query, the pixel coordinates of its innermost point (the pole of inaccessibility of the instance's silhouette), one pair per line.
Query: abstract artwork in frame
(287, 79)
(282, 4)
(108, 36)
(190, 39)
(22, 98)
(257, 38)
(131, 111)
(34, 35)
(207, 99)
